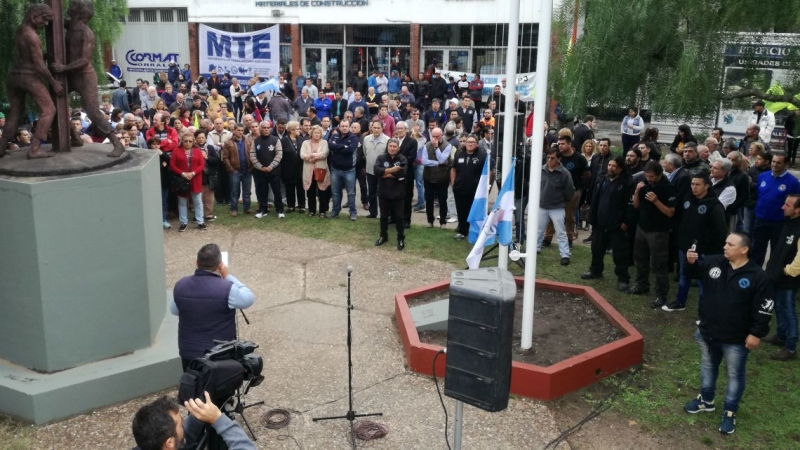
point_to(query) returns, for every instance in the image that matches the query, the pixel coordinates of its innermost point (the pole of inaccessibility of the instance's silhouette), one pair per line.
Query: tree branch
(758, 93)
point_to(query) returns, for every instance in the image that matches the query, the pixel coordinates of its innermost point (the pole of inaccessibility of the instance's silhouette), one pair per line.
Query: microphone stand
(351, 414)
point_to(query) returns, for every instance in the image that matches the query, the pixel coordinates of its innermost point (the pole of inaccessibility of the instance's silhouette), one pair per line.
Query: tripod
(228, 408)
(350, 415)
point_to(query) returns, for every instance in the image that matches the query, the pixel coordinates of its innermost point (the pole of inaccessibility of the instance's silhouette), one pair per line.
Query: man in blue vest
(206, 304)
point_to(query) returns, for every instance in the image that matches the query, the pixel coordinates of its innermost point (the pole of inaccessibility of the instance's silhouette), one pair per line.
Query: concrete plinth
(83, 281)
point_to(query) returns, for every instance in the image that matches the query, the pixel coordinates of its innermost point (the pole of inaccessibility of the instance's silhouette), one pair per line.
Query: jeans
(786, 316)
(747, 218)
(183, 204)
(711, 354)
(420, 185)
(684, 281)
(519, 217)
(764, 233)
(651, 251)
(343, 179)
(240, 184)
(164, 206)
(569, 212)
(557, 216)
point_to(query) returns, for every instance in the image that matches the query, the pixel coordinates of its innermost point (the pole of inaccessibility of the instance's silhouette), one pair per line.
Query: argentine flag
(498, 223)
(477, 214)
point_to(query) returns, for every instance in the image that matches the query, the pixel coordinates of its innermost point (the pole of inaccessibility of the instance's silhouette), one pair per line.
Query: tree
(667, 55)
(105, 24)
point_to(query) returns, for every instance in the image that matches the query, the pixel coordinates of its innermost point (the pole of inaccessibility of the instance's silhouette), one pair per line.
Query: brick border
(529, 380)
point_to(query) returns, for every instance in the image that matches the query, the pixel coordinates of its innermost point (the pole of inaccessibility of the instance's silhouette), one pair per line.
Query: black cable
(278, 418)
(367, 430)
(441, 400)
(602, 406)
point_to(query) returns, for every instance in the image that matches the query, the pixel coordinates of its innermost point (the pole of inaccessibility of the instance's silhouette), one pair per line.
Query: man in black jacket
(266, 156)
(783, 269)
(655, 200)
(611, 211)
(408, 148)
(734, 316)
(702, 229)
(390, 169)
(583, 132)
(465, 177)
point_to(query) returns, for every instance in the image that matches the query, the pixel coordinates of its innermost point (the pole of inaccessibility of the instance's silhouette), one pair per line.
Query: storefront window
(323, 34)
(449, 35)
(492, 61)
(286, 58)
(491, 35)
(379, 35)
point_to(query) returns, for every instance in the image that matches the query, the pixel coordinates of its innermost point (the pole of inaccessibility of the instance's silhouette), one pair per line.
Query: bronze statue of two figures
(69, 69)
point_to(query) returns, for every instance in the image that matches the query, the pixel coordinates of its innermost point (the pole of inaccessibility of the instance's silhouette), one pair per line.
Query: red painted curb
(529, 380)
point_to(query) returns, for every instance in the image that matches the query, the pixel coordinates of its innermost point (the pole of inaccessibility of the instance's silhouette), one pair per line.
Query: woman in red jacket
(188, 163)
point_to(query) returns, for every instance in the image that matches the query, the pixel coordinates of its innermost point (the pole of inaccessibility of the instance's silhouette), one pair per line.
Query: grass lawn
(769, 416)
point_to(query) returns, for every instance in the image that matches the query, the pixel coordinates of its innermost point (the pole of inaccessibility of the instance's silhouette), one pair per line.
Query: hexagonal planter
(529, 380)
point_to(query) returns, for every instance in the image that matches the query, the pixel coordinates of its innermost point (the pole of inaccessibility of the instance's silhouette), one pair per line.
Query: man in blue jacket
(772, 188)
(342, 146)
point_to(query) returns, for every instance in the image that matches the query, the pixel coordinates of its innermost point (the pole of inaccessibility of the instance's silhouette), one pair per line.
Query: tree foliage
(666, 55)
(105, 24)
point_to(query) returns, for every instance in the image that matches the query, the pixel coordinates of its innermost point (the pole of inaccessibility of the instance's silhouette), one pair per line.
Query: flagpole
(539, 114)
(510, 109)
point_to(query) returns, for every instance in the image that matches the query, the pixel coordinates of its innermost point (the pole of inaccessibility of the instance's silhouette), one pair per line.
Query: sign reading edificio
(240, 54)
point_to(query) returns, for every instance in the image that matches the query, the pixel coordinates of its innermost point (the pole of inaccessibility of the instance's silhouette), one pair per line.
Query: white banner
(240, 54)
(525, 82)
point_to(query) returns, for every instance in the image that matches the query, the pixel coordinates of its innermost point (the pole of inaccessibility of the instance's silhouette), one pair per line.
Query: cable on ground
(441, 400)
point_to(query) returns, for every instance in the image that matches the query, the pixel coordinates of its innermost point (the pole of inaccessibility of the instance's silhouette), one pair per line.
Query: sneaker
(774, 340)
(202, 227)
(281, 215)
(260, 215)
(623, 286)
(784, 355)
(250, 211)
(591, 275)
(458, 237)
(210, 218)
(166, 225)
(183, 227)
(588, 239)
(699, 405)
(565, 261)
(234, 213)
(452, 219)
(674, 306)
(333, 215)
(419, 209)
(638, 290)
(728, 424)
(430, 224)
(353, 216)
(659, 302)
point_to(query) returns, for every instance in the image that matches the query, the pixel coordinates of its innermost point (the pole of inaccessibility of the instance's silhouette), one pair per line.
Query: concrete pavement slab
(285, 246)
(273, 281)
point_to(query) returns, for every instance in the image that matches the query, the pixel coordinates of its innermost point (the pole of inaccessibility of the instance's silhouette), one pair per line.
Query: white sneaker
(260, 215)
(167, 226)
(452, 219)
(281, 216)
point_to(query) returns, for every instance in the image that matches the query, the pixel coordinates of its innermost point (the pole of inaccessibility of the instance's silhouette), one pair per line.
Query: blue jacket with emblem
(702, 220)
(771, 192)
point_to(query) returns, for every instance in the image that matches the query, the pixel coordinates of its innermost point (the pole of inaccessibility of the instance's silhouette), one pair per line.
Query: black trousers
(361, 177)
(185, 362)
(295, 194)
(650, 252)
(605, 237)
(409, 195)
(438, 190)
(222, 193)
(463, 206)
(791, 149)
(324, 198)
(264, 182)
(392, 207)
(372, 194)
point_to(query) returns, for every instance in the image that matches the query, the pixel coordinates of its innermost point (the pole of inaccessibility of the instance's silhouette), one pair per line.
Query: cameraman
(206, 304)
(159, 425)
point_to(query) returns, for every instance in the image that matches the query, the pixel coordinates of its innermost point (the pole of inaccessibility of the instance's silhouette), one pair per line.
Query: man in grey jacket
(557, 189)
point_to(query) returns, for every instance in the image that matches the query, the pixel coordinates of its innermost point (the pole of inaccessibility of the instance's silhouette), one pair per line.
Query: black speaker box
(479, 331)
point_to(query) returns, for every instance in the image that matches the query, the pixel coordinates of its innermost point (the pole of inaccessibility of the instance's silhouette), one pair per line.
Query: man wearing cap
(764, 119)
(115, 70)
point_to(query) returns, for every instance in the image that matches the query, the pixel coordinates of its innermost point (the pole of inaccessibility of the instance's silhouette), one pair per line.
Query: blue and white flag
(477, 214)
(269, 85)
(498, 223)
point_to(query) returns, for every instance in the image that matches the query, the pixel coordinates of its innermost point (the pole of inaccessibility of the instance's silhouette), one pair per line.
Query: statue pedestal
(83, 320)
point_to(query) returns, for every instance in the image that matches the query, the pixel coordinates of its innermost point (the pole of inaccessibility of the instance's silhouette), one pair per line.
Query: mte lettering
(258, 44)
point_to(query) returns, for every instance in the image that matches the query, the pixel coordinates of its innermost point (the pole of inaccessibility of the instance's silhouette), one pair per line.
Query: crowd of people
(708, 211)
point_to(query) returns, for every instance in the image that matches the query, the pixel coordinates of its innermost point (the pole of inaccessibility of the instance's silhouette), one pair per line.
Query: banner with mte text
(240, 54)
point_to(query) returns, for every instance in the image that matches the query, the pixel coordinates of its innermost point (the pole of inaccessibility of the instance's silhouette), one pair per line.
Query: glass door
(312, 64)
(458, 60)
(333, 70)
(433, 59)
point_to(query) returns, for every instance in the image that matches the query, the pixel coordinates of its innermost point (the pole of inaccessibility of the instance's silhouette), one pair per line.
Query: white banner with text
(240, 54)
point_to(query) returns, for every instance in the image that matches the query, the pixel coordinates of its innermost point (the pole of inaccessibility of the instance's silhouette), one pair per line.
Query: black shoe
(183, 227)
(774, 340)
(638, 290)
(659, 302)
(372, 216)
(407, 225)
(623, 286)
(591, 275)
(381, 240)
(674, 306)
(202, 227)
(401, 244)
(588, 239)
(565, 261)
(210, 218)
(546, 243)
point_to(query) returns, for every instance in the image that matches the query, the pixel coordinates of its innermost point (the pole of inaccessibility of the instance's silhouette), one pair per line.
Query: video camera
(223, 370)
